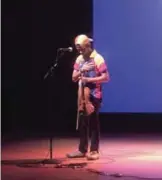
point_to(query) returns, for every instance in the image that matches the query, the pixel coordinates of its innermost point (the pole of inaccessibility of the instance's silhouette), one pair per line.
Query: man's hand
(87, 67)
(84, 79)
(100, 79)
(89, 108)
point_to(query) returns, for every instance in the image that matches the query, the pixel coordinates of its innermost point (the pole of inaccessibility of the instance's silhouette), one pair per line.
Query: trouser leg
(84, 134)
(95, 131)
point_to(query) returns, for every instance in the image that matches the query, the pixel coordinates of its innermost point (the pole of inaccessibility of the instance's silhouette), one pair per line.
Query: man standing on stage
(89, 69)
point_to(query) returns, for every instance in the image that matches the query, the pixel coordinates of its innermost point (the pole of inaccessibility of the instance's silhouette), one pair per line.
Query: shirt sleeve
(101, 64)
(76, 64)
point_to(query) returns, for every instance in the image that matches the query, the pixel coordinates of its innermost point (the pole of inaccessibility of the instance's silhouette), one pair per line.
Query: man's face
(82, 44)
(80, 48)
(83, 49)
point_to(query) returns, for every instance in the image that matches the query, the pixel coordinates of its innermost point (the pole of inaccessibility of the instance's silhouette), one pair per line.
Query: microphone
(69, 49)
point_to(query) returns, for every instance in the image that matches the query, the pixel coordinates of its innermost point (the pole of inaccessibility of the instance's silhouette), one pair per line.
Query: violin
(84, 104)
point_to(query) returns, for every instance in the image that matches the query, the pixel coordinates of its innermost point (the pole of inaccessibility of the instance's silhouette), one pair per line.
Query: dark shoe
(94, 155)
(77, 154)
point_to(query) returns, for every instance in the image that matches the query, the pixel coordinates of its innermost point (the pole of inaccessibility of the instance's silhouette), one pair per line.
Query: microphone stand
(50, 71)
(51, 160)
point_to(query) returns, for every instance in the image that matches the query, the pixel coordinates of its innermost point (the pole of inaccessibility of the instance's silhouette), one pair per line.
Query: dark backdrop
(31, 33)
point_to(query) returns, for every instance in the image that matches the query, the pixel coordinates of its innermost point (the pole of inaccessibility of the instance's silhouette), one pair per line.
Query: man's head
(83, 44)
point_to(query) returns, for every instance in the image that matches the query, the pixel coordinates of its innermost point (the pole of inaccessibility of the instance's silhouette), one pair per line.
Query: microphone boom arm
(50, 71)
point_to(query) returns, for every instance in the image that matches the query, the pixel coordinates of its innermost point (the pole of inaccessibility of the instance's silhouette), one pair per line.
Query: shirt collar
(93, 54)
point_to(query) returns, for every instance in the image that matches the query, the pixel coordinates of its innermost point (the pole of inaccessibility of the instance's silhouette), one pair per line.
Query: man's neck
(87, 56)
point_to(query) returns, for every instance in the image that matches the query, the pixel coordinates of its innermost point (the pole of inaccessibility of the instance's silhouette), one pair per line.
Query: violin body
(84, 103)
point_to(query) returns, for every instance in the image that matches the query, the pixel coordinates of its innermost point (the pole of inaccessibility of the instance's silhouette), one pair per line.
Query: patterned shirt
(99, 68)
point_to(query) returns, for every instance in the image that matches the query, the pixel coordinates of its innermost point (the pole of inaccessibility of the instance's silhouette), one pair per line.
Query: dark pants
(90, 124)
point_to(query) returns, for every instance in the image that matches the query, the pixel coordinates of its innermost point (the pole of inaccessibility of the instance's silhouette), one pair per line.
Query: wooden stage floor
(135, 157)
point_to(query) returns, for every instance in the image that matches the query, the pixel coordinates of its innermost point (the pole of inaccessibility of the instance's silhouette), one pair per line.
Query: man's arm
(101, 65)
(75, 76)
(100, 79)
(77, 72)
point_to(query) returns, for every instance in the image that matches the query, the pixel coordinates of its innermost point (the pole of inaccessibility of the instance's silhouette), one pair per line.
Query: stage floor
(135, 157)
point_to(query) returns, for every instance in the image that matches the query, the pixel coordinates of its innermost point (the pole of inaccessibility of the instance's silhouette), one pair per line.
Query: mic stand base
(35, 162)
(31, 162)
(51, 161)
